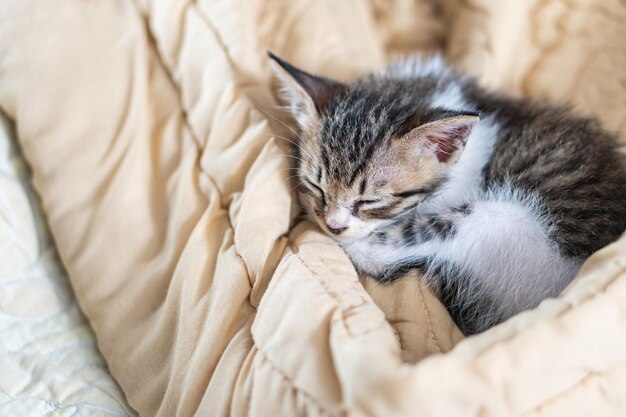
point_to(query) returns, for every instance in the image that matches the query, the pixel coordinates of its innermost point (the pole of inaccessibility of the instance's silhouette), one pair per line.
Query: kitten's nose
(337, 223)
(336, 231)
(337, 219)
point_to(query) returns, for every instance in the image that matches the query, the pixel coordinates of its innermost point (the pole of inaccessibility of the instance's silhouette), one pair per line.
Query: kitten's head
(371, 150)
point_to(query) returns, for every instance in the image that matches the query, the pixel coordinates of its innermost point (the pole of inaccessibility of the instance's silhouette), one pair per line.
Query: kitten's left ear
(308, 95)
(445, 137)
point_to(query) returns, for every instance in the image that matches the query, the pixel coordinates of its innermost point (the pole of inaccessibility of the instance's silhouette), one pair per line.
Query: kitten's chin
(350, 236)
(346, 240)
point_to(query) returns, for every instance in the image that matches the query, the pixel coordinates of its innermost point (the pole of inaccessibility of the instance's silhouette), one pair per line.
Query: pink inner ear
(448, 140)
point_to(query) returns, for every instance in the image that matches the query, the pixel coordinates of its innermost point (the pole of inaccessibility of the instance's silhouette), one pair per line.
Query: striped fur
(498, 200)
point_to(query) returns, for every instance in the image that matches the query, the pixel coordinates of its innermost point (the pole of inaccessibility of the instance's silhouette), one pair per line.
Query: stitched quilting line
(568, 308)
(176, 87)
(322, 282)
(283, 373)
(183, 111)
(216, 33)
(305, 394)
(545, 50)
(152, 44)
(345, 311)
(558, 397)
(427, 312)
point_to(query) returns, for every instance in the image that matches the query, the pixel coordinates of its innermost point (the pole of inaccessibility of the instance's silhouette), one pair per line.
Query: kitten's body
(497, 219)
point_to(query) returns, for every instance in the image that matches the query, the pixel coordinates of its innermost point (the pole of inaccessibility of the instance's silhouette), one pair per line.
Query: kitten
(497, 200)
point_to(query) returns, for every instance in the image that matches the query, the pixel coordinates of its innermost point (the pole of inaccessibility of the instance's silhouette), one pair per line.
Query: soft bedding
(49, 363)
(160, 157)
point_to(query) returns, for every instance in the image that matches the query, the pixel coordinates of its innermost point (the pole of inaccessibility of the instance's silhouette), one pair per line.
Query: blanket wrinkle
(428, 323)
(293, 385)
(349, 315)
(545, 48)
(157, 53)
(606, 388)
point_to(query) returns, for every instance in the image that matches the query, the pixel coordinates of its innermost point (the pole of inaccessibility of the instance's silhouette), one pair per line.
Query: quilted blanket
(160, 155)
(49, 364)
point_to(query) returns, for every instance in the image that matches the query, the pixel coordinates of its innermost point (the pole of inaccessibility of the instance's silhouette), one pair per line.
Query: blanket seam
(153, 45)
(578, 383)
(427, 312)
(344, 310)
(558, 397)
(291, 383)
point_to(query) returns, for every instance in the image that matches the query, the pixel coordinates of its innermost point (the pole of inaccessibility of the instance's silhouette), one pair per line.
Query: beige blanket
(160, 158)
(49, 363)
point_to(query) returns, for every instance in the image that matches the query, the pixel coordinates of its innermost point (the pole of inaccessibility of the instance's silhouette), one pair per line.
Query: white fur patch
(376, 259)
(417, 66)
(339, 218)
(504, 244)
(450, 97)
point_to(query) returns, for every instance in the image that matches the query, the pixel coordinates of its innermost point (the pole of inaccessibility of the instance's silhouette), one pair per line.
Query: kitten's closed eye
(411, 193)
(363, 202)
(316, 188)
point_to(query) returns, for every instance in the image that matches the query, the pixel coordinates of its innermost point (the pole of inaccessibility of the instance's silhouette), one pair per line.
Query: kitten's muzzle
(336, 231)
(337, 219)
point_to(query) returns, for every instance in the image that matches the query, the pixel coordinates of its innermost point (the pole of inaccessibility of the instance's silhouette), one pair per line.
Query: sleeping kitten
(497, 200)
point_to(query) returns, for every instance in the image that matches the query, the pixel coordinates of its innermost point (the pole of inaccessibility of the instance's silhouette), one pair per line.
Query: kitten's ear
(445, 137)
(308, 94)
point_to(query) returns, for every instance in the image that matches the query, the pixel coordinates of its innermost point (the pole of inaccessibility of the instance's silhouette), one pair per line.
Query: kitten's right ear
(308, 95)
